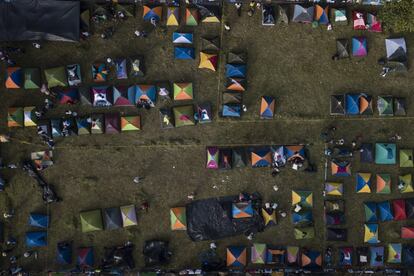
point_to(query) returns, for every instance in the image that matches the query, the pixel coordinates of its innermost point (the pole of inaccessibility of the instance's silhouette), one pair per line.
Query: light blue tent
(39, 220)
(302, 217)
(64, 253)
(235, 70)
(352, 104)
(385, 154)
(182, 38)
(385, 211)
(35, 239)
(377, 256)
(231, 110)
(183, 53)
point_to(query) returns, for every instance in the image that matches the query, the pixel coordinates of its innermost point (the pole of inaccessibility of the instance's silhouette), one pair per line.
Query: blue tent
(183, 53)
(121, 69)
(182, 38)
(302, 217)
(352, 104)
(377, 256)
(385, 211)
(366, 153)
(370, 212)
(64, 253)
(261, 157)
(408, 255)
(235, 70)
(142, 92)
(231, 110)
(39, 220)
(85, 257)
(34, 239)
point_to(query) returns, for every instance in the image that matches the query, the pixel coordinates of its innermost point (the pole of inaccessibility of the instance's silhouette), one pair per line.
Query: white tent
(396, 49)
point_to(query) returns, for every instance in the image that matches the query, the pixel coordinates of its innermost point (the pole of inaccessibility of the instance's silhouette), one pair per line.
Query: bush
(398, 16)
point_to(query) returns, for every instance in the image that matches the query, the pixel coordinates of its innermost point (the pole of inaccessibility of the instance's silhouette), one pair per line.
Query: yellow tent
(304, 198)
(173, 16)
(208, 61)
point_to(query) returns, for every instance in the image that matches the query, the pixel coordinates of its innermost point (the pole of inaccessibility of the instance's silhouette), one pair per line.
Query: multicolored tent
(97, 124)
(394, 253)
(204, 113)
(406, 158)
(183, 115)
(370, 211)
(371, 233)
(99, 72)
(64, 253)
(112, 218)
(209, 13)
(374, 25)
(182, 38)
(396, 49)
(129, 216)
(212, 158)
(231, 110)
(137, 68)
(292, 255)
(377, 256)
(400, 106)
(363, 183)
(120, 96)
(336, 234)
(236, 84)
(385, 154)
(73, 72)
(225, 159)
(339, 16)
(366, 153)
(342, 168)
(337, 105)
(405, 183)
(101, 96)
(85, 257)
(321, 14)
(178, 218)
(91, 221)
(302, 14)
(352, 104)
(293, 151)
(68, 96)
(183, 53)
(311, 259)
(276, 255)
(269, 217)
(409, 207)
(267, 107)
(142, 92)
(15, 117)
(130, 123)
(334, 189)
(30, 118)
(261, 157)
(383, 183)
(208, 61)
(365, 104)
(359, 46)
(236, 256)
(183, 91)
(36, 239)
(399, 209)
(112, 123)
(31, 78)
(14, 77)
(385, 212)
(407, 232)
(38, 220)
(56, 77)
(173, 16)
(304, 233)
(334, 218)
(258, 253)
(242, 210)
(302, 217)
(279, 155)
(236, 70)
(385, 106)
(191, 17)
(359, 20)
(303, 198)
(152, 13)
(345, 256)
(121, 69)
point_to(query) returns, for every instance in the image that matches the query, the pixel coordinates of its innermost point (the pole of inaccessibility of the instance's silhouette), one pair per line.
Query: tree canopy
(398, 16)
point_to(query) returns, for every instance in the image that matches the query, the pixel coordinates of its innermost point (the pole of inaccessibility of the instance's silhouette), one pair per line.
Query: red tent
(407, 232)
(399, 209)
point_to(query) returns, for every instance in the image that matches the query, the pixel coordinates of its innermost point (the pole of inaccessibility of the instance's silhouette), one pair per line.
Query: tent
(30, 118)
(294, 151)
(212, 158)
(362, 255)
(304, 233)
(56, 77)
(68, 96)
(231, 97)
(279, 156)
(405, 183)
(334, 218)
(38, 220)
(359, 46)
(268, 15)
(292, 255)
(267, 107)
(409, 208)
(399, 209)
(385, 212)
(303, 198)
(242, 210)
(56, 125)
(337, 104)
(352, 104)
(407, 232)
(396, 49)
(64, 253)
(99, 72)
(91, 220)
(321, 14)
(129, 216)
(97, 124)
(408, 255)
(302, 14)
(383, 183)
(225, 159)
(182, 38)
(365, 104)
(130, 123)
(236, 256)
(137, 67)
(142, 92)
(359, 20)
(120, 96)
(210, 44)
(178, 218)
(236, 84)
(208, 61)
(336, 205)
(339, 16)
(302, 217)
(14, 77)
(231, 110)
(210, 13)
(269, 217)
(85, 96)
(363, 184)
(377, 256)
(36, 239)
(394, 253)
(42, 159)
(311, 259)
(15, 117)
(400, 107)
(31, 78)
(336, 234)
(334, 189)
(173, 16)
(342, 168)
(235, 70)
(366, 153)
(239, 158)
(370, 212)
(261, 157)
(371, 233)
(204, 113)
(276, 255)
(191, 17)
(237, 58)
(85, 257)
(73, 72)
(373, 24)
(258, 253)
(385, 106)
(406, 158)
(183, 91)
(46, 128)
(385, 154)
(345, 256)
(282, 17)
(183, 53)
(101, 96)
(183, 115)
(121, 68)
(112, 123)
(152, 13)
(112, 218)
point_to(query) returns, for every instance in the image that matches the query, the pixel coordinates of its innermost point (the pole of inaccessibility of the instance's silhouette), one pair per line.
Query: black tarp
(39, 20)
(211, 219)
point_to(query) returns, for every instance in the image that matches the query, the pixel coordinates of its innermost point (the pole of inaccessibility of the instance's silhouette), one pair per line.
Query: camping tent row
(359, 47)
(397, 209)
(186, 115)
(21, 117)
(260, 253)
(100, 70)
(108, 219)
(386, 154)
(334, 212)
(383, 181)
(85, 258)
(227, 158)
(362, 104)
(303, 216)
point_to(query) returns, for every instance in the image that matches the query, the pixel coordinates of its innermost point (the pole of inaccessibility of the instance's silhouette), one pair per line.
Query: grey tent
(39, 20)
(302, 14)
(268, 15)
(232, 98)
(399, 107)
(85, 18)
(336, 234)
(85, 96)
(236, 58)
(282, 17)
(342, 46)
(210, 44)
(396, 49)
(385, 105)
(113, 218)
(239, 158)
(366, 153)
(337, 105)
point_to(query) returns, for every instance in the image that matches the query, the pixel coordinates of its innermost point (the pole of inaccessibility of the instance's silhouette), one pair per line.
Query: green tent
(56, 77)
(32, 78)
(304, 233)
(406, 158)
(184, 115)
(405, 183)
(385, 106)
(385, 154)
(15, 117)
(91, 221)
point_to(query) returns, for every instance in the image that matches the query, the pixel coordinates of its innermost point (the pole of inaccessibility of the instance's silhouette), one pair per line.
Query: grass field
(292, 63)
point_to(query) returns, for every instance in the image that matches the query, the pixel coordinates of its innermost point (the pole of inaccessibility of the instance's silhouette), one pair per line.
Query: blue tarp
(39, 220)
(35, 239)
